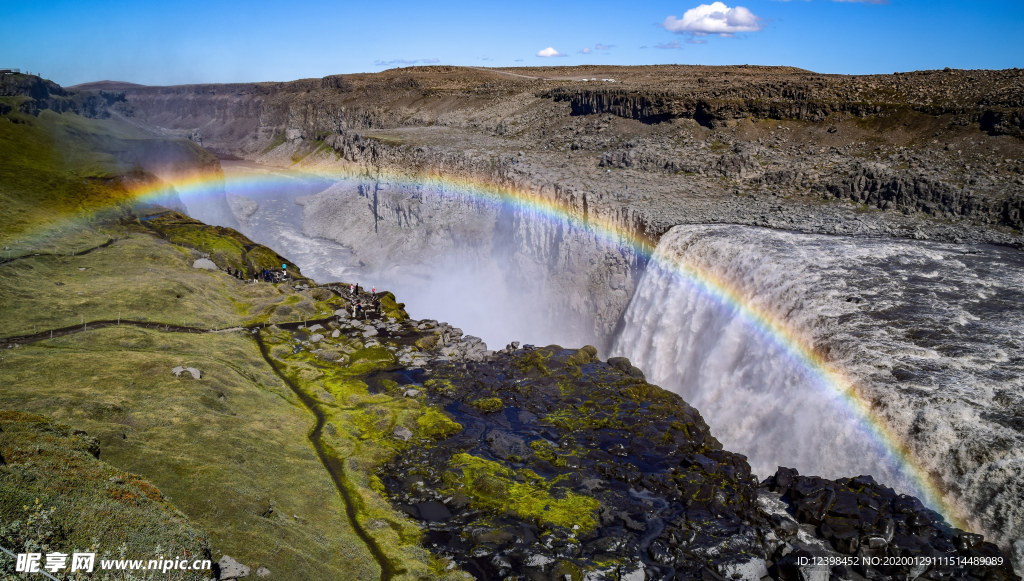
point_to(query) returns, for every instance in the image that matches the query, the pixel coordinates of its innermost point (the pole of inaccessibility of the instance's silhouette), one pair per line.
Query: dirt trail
(75, 253)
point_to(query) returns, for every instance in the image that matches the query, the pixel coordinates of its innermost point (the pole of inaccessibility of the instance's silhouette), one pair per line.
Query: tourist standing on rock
(351, 290)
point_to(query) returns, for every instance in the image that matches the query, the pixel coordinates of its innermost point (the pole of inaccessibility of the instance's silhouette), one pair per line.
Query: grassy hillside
(50, 478)
(234, 450)
(59, 169)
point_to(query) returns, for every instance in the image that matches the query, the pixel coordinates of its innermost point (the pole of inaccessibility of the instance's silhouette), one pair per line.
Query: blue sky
(190, 41)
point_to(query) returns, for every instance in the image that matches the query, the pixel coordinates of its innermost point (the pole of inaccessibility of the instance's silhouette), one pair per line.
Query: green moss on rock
(435, 425)
(497, 488)
(489, 405)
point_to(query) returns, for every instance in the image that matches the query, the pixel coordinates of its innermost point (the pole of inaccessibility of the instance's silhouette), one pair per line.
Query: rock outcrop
(954, 136)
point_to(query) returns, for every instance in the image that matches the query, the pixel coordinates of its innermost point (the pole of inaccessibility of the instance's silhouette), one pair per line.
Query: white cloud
(714, 18)
(600, 46)
(549, 52)
(668, 45)
(585, 50)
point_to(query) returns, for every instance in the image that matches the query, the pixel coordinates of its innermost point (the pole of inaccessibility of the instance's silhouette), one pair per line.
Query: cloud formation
(668, 45)
(598, 46)
(383, 63)
(549, 52)
(714, 18)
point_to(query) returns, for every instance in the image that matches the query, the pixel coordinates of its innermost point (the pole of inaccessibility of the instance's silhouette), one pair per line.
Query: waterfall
(926, 331)
(759, 399)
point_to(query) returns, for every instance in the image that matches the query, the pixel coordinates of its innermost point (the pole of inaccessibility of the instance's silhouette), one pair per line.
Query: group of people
(266, 275)
(356, 305)
(353, 290)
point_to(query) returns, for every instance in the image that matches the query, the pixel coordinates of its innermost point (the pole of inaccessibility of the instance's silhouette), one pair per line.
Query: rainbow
(774, 328)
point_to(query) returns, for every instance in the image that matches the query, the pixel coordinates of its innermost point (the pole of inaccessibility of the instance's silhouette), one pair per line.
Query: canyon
(877, 219)
(853, 167)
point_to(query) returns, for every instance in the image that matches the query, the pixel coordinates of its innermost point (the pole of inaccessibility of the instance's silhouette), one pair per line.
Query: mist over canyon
(875, 218)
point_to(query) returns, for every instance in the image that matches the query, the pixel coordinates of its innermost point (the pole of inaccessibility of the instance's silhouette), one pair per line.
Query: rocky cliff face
(714, 96)
(404, 231)
(939, 143)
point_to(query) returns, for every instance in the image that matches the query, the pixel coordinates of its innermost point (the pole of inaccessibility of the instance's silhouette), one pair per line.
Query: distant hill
(105, 86)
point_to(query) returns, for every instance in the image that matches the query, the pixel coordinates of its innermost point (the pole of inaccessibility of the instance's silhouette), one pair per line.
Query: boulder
(228, 568)
(195, 373)
(402, 433)
(432, 511)
(205, 264)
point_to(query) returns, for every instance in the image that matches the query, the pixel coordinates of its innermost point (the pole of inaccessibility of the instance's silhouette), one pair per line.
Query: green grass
(139, 277)
(231, 446)
(231, 450)
(224, 449)
(56, 496)
(61, 168)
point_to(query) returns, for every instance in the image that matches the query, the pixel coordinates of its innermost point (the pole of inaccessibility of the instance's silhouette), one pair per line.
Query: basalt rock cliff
(944, 144)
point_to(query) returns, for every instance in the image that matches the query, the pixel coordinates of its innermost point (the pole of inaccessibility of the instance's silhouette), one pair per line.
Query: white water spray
(930, 332)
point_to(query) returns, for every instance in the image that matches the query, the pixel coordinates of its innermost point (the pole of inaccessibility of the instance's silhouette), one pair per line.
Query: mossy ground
(520, 492)
(139, 277)
(50, 478)
(235, 451)
(227, 248)
(230, 450)
(360, 432)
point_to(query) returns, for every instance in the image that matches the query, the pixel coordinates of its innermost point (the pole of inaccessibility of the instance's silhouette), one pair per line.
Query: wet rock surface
(567, 467)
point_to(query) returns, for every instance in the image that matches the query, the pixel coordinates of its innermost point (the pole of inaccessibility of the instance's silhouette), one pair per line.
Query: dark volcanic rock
(894, 532)
(574, 431)
(567, 467)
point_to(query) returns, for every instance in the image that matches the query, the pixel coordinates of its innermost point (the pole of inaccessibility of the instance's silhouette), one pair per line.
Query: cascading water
(501, 271)
(929, 332)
